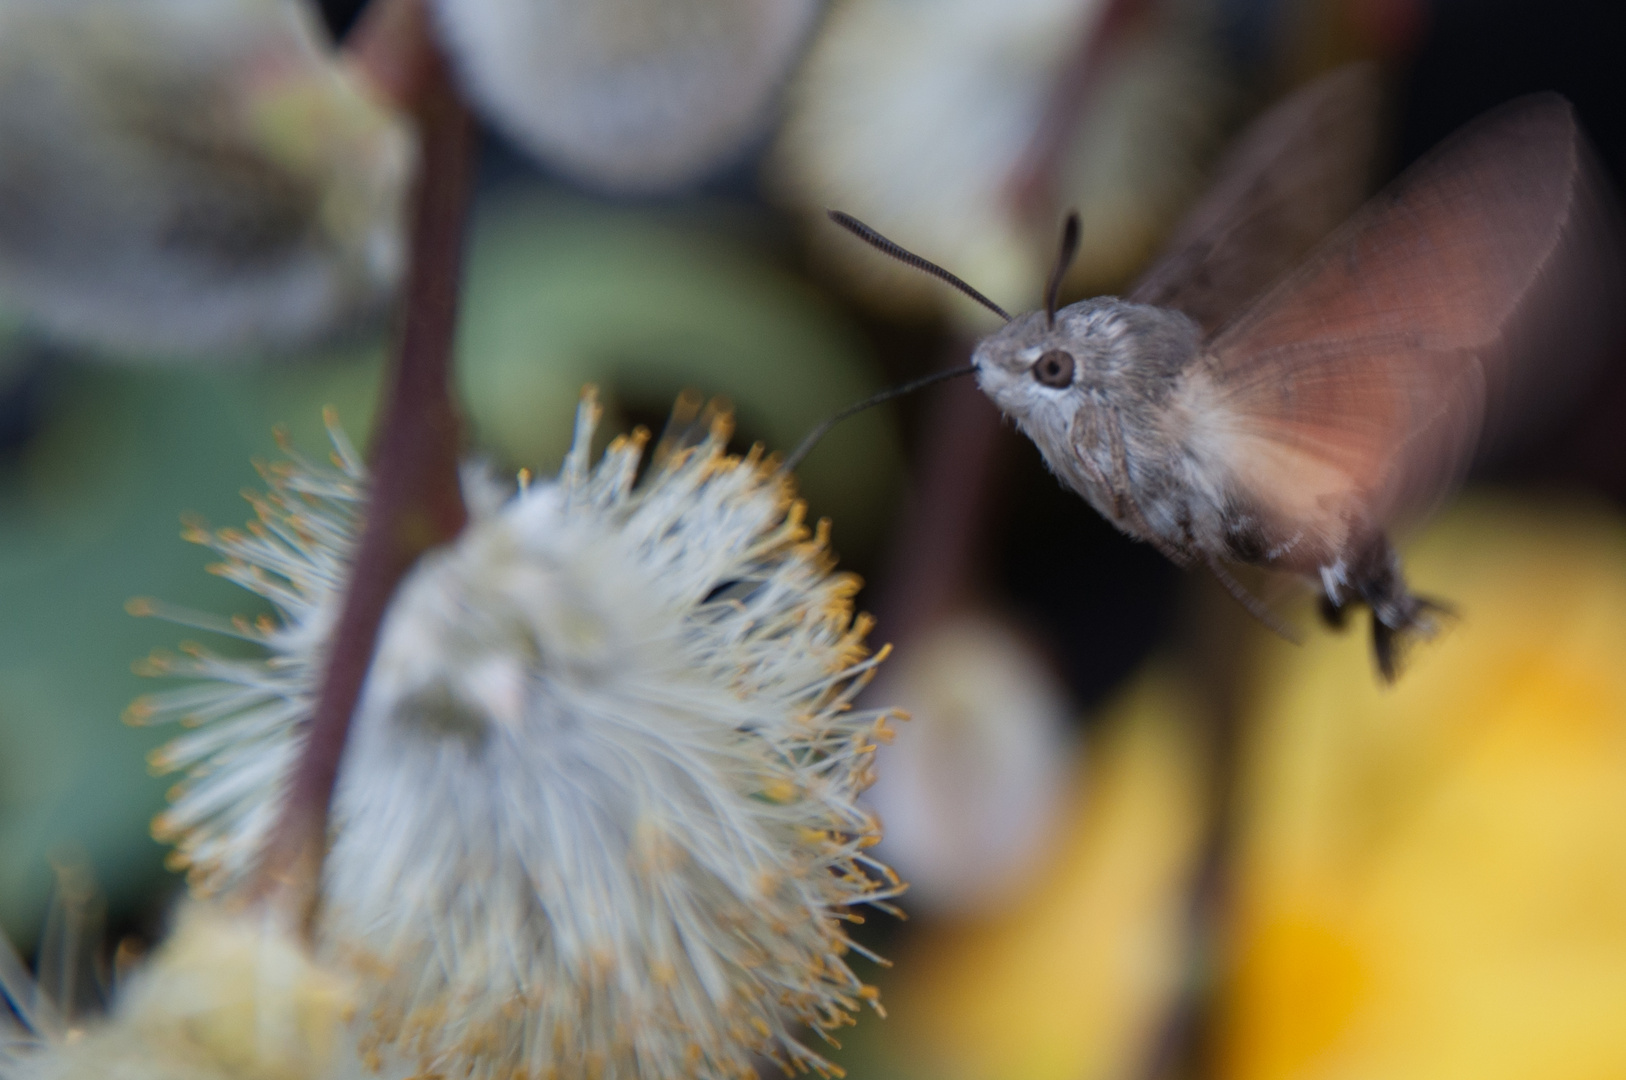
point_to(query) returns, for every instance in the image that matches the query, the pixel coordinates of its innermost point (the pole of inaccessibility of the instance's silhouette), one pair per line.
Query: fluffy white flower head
(627, 95)
(912, 116)
(598, 814)
(228, 996)
(193, 177)
(250, 713)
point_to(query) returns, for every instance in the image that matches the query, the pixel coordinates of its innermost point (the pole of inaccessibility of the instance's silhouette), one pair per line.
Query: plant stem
(932, 567)
(414, 501)
(1031, 185)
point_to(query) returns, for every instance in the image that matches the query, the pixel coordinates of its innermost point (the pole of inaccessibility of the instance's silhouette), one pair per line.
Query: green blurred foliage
(88, 518)
(563, 292)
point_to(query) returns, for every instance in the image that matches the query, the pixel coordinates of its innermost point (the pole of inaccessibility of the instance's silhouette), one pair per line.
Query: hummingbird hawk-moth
(1227, 412)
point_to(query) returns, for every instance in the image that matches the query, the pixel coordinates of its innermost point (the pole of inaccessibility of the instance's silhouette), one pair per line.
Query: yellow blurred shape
(1432, 878)
(1070, 982)
(229, 996)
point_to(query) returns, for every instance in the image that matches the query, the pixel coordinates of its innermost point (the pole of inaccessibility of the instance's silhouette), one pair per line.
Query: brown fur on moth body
(1292, 426)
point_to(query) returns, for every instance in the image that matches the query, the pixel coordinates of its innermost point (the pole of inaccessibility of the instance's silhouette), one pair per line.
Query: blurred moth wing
(1354, 392)
(1292, 177)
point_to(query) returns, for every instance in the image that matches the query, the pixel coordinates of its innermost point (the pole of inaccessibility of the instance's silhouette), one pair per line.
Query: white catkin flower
(598, 815)
(193, 177)
(975, 789)
(250, 712)
(912, 116)
(228, 996)
(627, 95)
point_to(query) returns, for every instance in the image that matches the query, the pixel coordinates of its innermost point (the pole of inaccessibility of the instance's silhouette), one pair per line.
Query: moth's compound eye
(1054, 368)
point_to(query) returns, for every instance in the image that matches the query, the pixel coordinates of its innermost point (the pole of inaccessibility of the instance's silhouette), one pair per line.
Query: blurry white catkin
(192, 176)
(598, 816)
(228, 996)
(913, 115)
(627, 95)
(973, 789)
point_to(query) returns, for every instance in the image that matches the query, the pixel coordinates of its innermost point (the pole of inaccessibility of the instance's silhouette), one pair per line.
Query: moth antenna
(881, 243)
(1064, 260)
(822, 429)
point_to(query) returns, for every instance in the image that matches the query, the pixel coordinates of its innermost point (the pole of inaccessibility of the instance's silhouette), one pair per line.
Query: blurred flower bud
(598, 814)
(1074, 979)
(918, 117)
(973, 786)
(627, 95)
(229, 996)
(182, 176)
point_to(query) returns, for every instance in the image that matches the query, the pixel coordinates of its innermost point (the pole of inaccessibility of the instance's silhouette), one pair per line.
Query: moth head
(1038, 372)
(1096, 353)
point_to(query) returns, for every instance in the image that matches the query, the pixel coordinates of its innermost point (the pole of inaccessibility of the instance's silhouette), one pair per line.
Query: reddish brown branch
(1031, 186)
(932, 566)
(393, 47)
(414, 501)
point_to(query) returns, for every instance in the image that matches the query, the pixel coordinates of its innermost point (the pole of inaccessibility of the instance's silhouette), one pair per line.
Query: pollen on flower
(598, 814)
(248, 712)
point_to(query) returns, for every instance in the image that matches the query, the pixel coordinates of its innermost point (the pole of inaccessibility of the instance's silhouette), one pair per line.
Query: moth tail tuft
(1401, 624)
(1334, 616)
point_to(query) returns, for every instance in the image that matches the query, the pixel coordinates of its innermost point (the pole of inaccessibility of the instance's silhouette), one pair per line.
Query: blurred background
(1145, 837)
